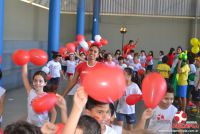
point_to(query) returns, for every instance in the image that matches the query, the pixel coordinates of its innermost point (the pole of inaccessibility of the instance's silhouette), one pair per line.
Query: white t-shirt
(123, 66)
(109, 130)
(136, 66)
(161, 121)
(192, 71)
(2, 91)
(142, 59)
(55, 68)
(122, 106)
(111, 64)
(196, 79)
(35, 118)
(71, 66)
(118, 129)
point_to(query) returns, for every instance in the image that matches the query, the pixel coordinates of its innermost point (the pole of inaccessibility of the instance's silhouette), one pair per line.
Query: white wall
(26, 26)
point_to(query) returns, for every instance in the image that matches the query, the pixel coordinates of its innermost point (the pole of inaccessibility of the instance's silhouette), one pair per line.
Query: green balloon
(184, 57)
(191, 77)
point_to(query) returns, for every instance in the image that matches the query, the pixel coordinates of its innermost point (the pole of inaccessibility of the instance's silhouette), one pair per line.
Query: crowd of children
(89, 116)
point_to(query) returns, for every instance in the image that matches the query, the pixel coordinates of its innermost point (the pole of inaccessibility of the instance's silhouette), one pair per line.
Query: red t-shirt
(83, 68)
(127, 48)
(170, 59)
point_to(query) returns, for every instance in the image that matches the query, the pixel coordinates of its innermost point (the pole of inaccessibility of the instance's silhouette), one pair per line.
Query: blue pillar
(54, 26)
(1, 27)
(96, 11)
(80, 21)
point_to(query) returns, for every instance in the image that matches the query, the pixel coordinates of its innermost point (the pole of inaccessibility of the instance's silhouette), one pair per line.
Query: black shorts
(54, 81)
(150, 67)
(195, 95)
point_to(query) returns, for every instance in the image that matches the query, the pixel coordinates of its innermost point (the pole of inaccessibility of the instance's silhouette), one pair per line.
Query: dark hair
(89, 125)
(93, 45)
(106, 55)
(180, 48)
(0, 74)
(170, 88)
(134, 74)
(165, 59)
(151, 52)
(55, 56)
(128, 70)
(191, 57)
(44, 76)
(112, 109)
(116, 52)
(41, 73)
(162, 53)
(22, 127)
(132, 51)
(171, 50)
(130, 41)
(142, 51)
(120, 58)
(91, 103)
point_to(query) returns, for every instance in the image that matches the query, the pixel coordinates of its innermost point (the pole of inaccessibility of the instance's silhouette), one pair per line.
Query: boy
(55, 72)
(164, 69)
(163, 114)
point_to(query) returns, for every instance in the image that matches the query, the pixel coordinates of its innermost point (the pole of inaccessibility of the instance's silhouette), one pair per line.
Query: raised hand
(80, 98)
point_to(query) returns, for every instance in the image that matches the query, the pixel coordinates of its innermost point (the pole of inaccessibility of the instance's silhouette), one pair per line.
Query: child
(183, 71)
(123, 109)
(101, 112)
(191, 77)
(121, 62)
(39, 83)
(142, 57)
(55, 72)
(109, 60)
(161, 55)
(2, 98)
(196, 92)
(164, 69)
(150, 63)
(163, 114)
(71, 65)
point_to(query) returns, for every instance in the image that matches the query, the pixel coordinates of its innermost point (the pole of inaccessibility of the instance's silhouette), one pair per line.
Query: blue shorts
(182, 91)
(130, 118)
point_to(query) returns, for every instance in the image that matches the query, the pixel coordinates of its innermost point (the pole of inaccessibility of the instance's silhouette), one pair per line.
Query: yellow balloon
(195, 50)
(194, 42)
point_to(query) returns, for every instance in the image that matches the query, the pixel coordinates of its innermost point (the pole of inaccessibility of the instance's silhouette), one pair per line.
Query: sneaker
(190, 104)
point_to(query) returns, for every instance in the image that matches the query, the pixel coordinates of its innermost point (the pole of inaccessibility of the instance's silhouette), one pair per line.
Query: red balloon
(21, 57)
(76, 43)
(38, 57)
(60, 127)
(102, 84)
(89, 43)
(0, 59)
(49, 76)
(153, 89)
(80, 38)
(62, 51)
(125, 56)
(1, 131)
(143, 65)
(104, 41)
(44, 103)
(98, 44)
(71, 47)
(133, 99)
(141, 71)
(148, 59)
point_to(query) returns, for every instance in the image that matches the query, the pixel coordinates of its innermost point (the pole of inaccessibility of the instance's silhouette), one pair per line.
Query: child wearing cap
(55, 72)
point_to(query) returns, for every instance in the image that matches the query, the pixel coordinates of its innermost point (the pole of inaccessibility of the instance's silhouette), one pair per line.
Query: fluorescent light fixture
(38, 5)
(26, 1)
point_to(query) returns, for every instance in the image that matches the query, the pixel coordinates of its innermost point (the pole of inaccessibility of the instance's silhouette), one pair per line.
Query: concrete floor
(16, 106)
